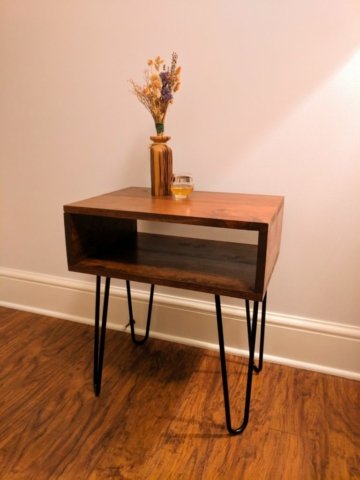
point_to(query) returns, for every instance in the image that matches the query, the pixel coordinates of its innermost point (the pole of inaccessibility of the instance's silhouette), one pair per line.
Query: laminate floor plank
(160, 414)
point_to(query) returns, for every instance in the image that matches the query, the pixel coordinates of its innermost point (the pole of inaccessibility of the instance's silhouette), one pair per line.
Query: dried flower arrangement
(161, 83)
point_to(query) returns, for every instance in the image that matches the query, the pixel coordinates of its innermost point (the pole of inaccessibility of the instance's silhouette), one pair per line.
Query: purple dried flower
(165, 78)
(166, 94)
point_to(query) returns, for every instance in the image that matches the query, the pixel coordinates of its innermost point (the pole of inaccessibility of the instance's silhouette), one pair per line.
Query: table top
(228, 210)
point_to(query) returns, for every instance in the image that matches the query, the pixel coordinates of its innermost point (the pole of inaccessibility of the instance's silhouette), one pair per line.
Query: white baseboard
(294, 341)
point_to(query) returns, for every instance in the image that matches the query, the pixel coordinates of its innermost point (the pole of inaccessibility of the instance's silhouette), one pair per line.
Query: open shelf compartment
(113, 247)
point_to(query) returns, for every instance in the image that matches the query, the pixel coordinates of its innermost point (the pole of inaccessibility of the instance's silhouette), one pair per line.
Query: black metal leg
(131, 316)
(248, 320)
(252, 337)
(99, 346)
(258, 368)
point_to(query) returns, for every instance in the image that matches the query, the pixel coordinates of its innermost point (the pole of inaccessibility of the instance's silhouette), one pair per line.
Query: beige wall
(270, 103)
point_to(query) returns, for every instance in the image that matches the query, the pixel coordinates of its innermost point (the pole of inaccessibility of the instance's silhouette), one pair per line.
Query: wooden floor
(160, 414)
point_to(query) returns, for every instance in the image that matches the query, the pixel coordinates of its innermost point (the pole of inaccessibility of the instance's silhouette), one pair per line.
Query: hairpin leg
(248, 320)
(99, 346)
(257, 369)
(251, 337)
(131, 317)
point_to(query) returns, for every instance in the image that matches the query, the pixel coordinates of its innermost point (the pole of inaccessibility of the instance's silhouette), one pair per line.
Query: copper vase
(161, 166)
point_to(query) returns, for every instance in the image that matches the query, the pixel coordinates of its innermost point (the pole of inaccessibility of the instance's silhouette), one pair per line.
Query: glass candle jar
(182, 185)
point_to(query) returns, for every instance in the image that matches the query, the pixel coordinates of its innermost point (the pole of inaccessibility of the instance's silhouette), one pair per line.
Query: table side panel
(268, 252)
(273, 245)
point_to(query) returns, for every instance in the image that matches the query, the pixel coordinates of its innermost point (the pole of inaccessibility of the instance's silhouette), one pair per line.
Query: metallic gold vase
(161, 166)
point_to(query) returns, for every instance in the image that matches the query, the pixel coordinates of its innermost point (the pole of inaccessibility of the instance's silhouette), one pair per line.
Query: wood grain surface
(161, 168)
(213, 209)
(160, 414)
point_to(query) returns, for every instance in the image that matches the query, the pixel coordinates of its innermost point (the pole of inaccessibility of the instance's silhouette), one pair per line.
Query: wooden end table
(102, 239)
